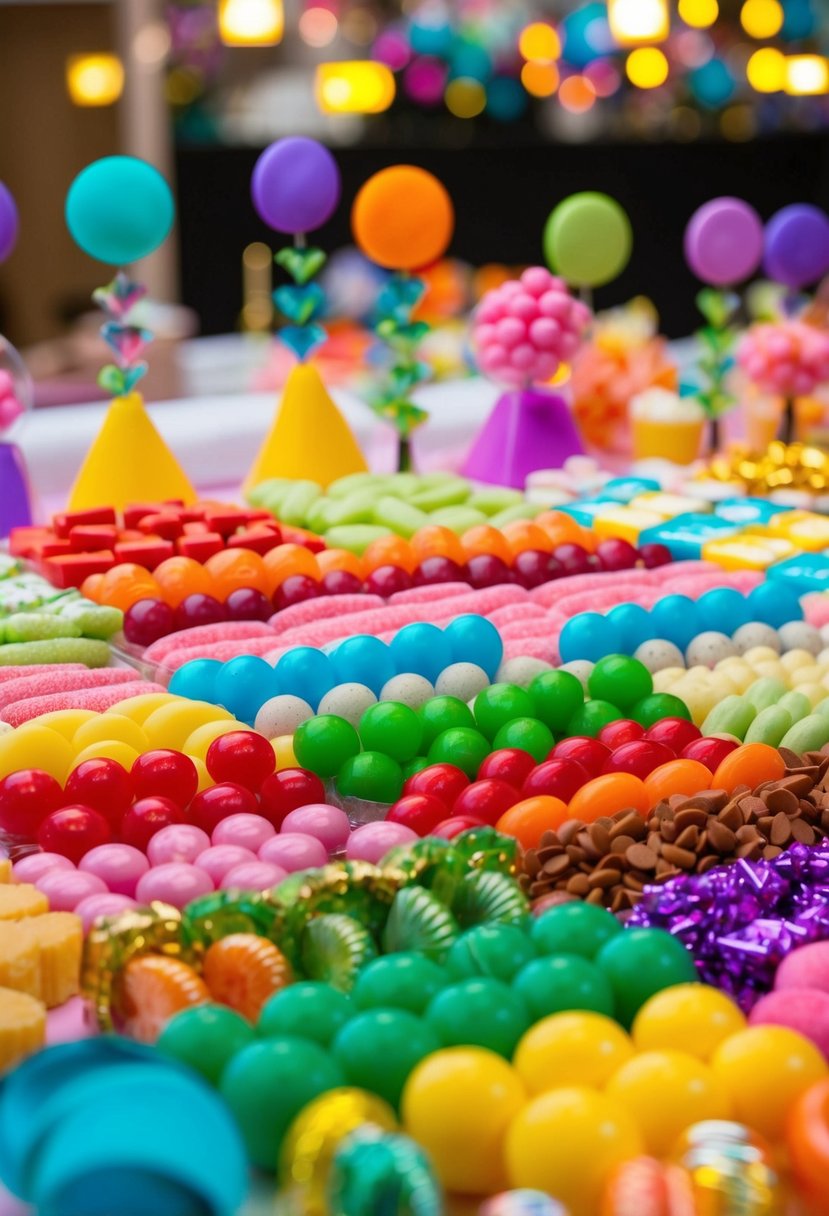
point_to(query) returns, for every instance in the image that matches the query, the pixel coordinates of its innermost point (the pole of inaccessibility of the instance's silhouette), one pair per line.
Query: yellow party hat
(309, 437)
(128, 462)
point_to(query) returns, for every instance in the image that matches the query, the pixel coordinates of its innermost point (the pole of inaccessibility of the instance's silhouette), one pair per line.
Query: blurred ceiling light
(94, 80)
(634, 21)
(806, 75)
(766, 70)
(251, 22)
(699, 14)
(647, 67)
(318, 26)
(540, 79)
(539, 43)
(357, 86)
(465, 97)
(151, 45)
(577, 94)
(738, 123)
(762, 18)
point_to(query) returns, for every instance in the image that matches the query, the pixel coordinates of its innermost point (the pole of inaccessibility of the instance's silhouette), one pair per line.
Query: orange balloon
(389, 551)
(677, 777)
(483, 538)
(126, 584)
(403, 218)
(749, 764)
(436, 541)
(528, 820)
(339, 559)
(608, 794)
(521, 534)
(179, 577)
(285, 560)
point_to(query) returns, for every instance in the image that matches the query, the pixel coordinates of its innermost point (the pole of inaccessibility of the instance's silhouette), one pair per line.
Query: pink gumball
(805, 1010)
(523, 306)
(254, 876)
(372, 841)
(487, 334)
(33, 867)
(535, 280)
(66, 888)
(494, 358)
(119, 866)
(175, 883)
(328, 823)
(554, 304)
(177, 842)
(511, 332)
(523, 356)
(545, 333)
(249, 831)
(546, 366)
(294, 851)
(106, 904)
(219, 858)
(806, 967)
(10, 411)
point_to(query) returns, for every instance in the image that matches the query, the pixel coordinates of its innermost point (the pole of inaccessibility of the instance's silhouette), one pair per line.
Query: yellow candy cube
(668, 506)
(624, 522)
(747, 552)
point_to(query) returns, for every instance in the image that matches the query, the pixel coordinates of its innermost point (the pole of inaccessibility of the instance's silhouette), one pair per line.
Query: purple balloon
(797, 246)
(724, 242)
(8, 222)
(295, 185)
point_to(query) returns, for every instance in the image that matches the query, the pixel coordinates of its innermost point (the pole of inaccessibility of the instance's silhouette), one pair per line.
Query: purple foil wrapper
(740, 921)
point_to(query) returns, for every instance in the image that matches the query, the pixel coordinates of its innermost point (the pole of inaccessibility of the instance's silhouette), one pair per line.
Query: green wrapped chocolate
(214, 916)
(485, 896)
(487, 849)
(419, 921)
(334, 948)
(351, 888)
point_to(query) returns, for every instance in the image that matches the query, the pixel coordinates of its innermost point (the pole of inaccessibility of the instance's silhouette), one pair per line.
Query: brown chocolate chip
(731, 817)
(641, 857)
(781, 828)
(751, 807)
(690, 817)
(751, 849)
(771, 851)
(576, 854)
(683, 858)
(604, 878)
(557, 865)
(708, 863)
(633, 883)
(600, 836)
(668, 830)
(747, 833)
(782, 800)
(630, 824)
(803, 832)
(721, 837)
(622, 843)
(585, 842)
(798, 784)
(790, 758)
(689, 839)
(595, 896)
(569, 830)
(578, 885)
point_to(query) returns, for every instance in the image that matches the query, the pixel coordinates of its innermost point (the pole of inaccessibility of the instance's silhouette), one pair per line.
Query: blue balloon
(723, 609)
(244, 685)
(421, 648)
(507, 99)
(589, 636)
(363, 659)
(633, 624)
(119, 209)
(305, 672)
(712, 84)
(676, 619)
(799, 20)
(196, 680)
(474, 639)
(586, 35)
(774, 604)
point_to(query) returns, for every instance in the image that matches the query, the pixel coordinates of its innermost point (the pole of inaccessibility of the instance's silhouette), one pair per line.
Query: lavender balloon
(8, 222)
(797, 246)
(295, 185)
(724, 242)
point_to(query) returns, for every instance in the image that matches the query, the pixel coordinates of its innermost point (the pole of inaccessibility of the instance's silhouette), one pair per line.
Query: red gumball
(654, 555)
(26, 798)
(510, 764)
(709, 751)
(441, 781)
(448, 829)
(147, 816)
(288, 790)
(294, 590)
(388, 580)
(639, 757)
(555, 778)
(616, 554)
(622, 731)
(241, 756)
(211, 806)
(104, 785)
(573, 559)
(420, 812)
(675, 733)
(487, 800)
(589, 753)
(72, 831)
(165, 774)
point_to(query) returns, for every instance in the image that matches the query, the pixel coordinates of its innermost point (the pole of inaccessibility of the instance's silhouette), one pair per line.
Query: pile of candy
(39, 625)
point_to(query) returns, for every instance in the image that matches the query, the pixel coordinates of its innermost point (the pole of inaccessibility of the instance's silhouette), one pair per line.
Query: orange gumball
(436, 541)
(126, 584)
(389, 550)
(608, 794)
(285, 560)
(528, 820)
(677, 777)
(337, 559)
(562, 529)
(403, 218)
(235, 568)
(91, 587)
(749, 764)
(521, 534)
(179, 577)
(483, 538)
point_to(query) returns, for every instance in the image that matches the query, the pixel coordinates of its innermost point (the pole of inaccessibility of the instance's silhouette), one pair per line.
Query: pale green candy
(261, 494)
(36, 626)
(403, 484)
(344, 486)
(295, 504)
(446, 494)
(521, 510)
(807, 735)
(458, 518)
(764, 692)
(95, 620)
(495, 499)
(9, 566)
(320, 515)
(56, 650)
(797, 704)
(354, 537)
(770, 725)
(439, 477)
(401, 517)
(356, 508)
(822, 707)
(732, 716)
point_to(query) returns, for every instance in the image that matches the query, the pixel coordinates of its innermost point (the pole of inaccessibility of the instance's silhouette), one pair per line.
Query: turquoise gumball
(119, 209)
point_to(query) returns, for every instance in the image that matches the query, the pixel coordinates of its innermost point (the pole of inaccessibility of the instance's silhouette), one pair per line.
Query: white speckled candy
(797, 635)
(754, 634)
(349, 701)
(658, 653)
(580, 668)
(282, 715)
(521, 671)
(463, 680)
(708, 648)
(408, 688)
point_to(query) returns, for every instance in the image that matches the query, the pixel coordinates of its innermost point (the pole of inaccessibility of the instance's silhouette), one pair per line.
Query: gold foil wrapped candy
(792, 466)
(114, 942)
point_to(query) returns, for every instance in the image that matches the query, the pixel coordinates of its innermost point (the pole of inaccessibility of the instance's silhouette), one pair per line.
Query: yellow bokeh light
(318, 26)
(647, 67)
(539, 42)
(766, 70)
(357, 86)
(251, 22)
(465, 97)
(634, 21)
(699, 14)
(540, 79)
(577, 94)
(94, 80)
(806, 75)
(762, 18)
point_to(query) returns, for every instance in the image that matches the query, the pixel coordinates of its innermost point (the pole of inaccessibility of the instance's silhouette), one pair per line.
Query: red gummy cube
(161, 523)
(54, 547)
(260, 540)
(196, 527)
(200, 546)
(67, 520)
(86, 538)
(224, 520)
(149, 552)
(300, 536)
(70, 569)
(190, 515)
(135, 512)
(261, 516)
(25, 541)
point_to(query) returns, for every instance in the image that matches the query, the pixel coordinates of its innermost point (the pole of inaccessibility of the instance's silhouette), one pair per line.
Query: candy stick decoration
(15, 398)
(403, 220)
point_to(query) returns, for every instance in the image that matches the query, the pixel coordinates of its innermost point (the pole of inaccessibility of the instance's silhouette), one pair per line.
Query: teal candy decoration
(119, 209)
(121, 380)
(376, 1173)
(119, 296)
(301, 264)
(127, 342)
(303, 340)
(399, 297)
(395, 327)
(300, 304)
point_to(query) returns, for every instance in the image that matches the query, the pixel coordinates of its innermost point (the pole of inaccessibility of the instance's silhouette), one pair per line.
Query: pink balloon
(724, 242)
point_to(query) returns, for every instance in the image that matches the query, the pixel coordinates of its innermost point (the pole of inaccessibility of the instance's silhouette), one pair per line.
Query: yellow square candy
(668, 506)
(624, 523)
(22, 1026)
(21, 899)
(746, 552)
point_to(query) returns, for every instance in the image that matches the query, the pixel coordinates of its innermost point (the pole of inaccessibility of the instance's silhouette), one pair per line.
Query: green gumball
(499, 704)
(371, 776)
(206, 1037)
(527, 734)
(325, 743)
(414, 766)
(620, 680)
(574, 928)
(641, 962)
(462, 746)
(563, 982)
(310, 1010)
(399, 981)
(393, 729)
(556, 696)
(657, 706)
(592, 716)
(439, 714)
(497, 951)
(479, 1012)
(380, 1047)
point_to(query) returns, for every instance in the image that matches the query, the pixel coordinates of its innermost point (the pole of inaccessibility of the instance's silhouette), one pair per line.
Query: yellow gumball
(815, 692)
(172, 724)
(283, 749)
(198, 744)
(804, 675)
(664, 1092)
(772, 669)
(571, 1049)
(566, 1143)
(458, 1104)
(67, 721)
(110, 726)
(694, 1018)
(765, 1069)
(139, 708)
(112, 749)
(35, 746)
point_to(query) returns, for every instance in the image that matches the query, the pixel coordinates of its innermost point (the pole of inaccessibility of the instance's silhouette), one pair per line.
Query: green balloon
(529, 735)
(399, 981)
(556, 697)
(574, 928)
(479, 1012)
(641, 962)
(323, 744)
(497, 951)
(267, 1084)
(309, 1010)
(562, 982)
(414, 766)
(206, 1037)
(462, 746)
(393, 729)
(499, 704)
(380, 1047)
(372, 776)
(657, 706)
(621, 680)
(592, 716)
(443, 713)
(588, 239)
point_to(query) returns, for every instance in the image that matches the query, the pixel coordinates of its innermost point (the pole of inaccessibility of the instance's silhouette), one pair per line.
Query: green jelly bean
(733, 716)
(445, 494)
(354, 537)
(797, 704)
(493, 500)
(807, 735)
(521, 510)
(458, 518)
(344, 486)
(400, 516)
(295, 504)
(764, 692)
(770, 725)
(822, 707)
(355, 508)
(37, 626)
(320, 515)
(265, 490)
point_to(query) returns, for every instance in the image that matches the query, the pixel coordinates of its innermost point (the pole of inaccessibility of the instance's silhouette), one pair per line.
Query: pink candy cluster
(10, 405)
(789, 358)
(526, 328)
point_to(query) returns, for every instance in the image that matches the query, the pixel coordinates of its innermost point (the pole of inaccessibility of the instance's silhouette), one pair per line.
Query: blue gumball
(421, 648)
(589, 636)
(474, 639)
(633, 624)
(119, 209)
(723, 609)
(774, 604)
(305, 672)
(196, 680)
(676, 618)
(363, 659)
(244, 685)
